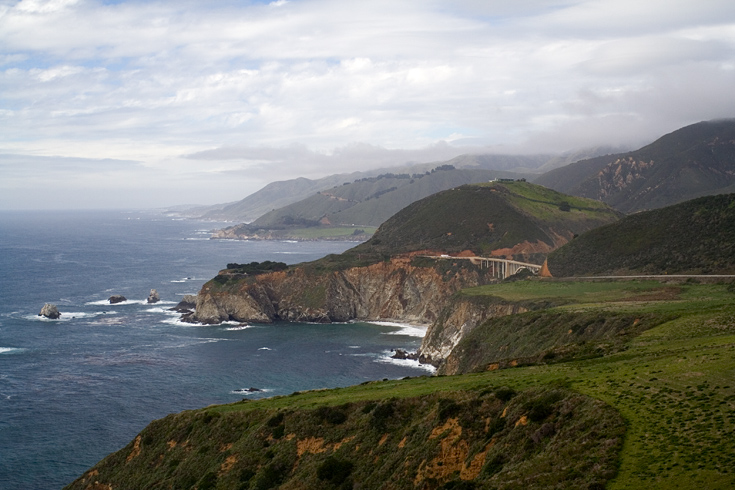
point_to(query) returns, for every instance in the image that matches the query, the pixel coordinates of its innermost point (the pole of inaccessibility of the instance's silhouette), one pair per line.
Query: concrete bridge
(501, 268)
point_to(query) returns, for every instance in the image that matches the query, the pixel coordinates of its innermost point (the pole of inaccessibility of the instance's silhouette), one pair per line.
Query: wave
(106, 302)
(247, 391)
(403, 328)
(11, 350)
(265, 348)
(69, 315)
(386, 358)
(178, 322)
(239, 327)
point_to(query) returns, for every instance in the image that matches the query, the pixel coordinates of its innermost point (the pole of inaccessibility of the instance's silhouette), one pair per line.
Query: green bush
(334, 470)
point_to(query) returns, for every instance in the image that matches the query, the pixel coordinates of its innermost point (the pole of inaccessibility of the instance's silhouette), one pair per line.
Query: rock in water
(153, 297)
(117, 298)
(186, 305)
(50, 311)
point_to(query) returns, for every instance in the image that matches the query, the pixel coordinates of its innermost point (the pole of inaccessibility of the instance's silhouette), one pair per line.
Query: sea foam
(403, 328)
(386, 358)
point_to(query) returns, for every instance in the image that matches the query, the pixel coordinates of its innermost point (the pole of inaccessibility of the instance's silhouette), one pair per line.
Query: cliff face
(393, 289)
(460, 316)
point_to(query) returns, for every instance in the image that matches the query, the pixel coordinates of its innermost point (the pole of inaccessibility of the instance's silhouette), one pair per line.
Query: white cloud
(332, 85)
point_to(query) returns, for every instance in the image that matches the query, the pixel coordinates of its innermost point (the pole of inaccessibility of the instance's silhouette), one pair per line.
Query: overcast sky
(120, 104)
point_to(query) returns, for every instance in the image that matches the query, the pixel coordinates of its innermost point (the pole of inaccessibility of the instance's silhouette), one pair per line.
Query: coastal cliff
(396, 289)
(459, 317)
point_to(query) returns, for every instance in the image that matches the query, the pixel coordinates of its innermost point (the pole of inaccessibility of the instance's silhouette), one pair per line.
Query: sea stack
(117, 298)
(153, 297)
(50, 311)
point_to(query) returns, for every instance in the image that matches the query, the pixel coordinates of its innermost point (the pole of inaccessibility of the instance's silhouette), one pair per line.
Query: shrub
(447, 408)
(334, 470)
(332, 415)
(504, 393)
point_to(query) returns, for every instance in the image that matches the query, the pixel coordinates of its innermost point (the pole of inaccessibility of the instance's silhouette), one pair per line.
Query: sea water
(75, 389)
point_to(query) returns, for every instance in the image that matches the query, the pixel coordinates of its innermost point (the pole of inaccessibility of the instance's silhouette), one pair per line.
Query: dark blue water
(75, 389)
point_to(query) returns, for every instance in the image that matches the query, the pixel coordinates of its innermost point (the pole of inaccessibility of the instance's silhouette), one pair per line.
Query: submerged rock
(50, 311)
(153, 297)
(117, 298)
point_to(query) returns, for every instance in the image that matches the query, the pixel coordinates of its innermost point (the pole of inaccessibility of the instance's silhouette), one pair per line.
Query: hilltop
(510, 219)
(693, 161)
(694, 237)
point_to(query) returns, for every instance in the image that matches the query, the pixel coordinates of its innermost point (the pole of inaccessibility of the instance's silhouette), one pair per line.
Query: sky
(140, 104)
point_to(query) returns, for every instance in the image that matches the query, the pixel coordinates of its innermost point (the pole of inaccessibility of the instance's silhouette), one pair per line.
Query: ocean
(75, 389)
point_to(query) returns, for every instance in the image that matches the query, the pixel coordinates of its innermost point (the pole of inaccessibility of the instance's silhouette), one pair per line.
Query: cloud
(317, 86)
(300, 160)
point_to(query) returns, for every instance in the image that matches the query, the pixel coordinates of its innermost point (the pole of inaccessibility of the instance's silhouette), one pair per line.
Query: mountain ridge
(690, 162)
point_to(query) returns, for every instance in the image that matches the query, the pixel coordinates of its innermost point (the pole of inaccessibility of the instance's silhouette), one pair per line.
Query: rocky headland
(395, 276)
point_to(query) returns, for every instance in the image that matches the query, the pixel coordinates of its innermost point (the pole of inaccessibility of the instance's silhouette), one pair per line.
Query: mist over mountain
(694, 161)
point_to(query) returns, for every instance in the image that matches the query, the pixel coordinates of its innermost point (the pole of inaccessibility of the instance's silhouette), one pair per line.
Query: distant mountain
(282, 193)
(370, 201)
(694, 161)
(276, 195)
(511, 219)
(694, 237)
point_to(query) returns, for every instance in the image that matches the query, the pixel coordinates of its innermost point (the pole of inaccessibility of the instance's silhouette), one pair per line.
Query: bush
(505, 393)
(332, 415)
(271, 476)
(447, 409)
(334, 470)
(381, 414)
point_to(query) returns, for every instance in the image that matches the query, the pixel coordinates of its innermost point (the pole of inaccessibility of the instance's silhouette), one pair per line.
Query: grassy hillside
(531, 426)
(694, 161)
(488, 217)
(437, 440)
(695, 237)
(673, 382)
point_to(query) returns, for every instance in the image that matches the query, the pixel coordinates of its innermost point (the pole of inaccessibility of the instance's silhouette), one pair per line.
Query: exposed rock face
(153, 296)
(50, 311)
(460, 316)
(117, 298)
(187, 304)
(387, 290)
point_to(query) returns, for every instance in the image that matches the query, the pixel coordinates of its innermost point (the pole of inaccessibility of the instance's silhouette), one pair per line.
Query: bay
(75, 389)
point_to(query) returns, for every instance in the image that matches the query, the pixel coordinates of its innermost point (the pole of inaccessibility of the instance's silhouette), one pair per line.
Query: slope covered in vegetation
(481, 438)
(506, 218)
(694, 237)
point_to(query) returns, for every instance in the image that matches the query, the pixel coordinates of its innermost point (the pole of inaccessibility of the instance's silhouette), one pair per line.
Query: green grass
(673, 383)
(545, 204)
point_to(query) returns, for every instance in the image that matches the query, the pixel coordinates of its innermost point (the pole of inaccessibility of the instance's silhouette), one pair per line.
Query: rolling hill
(691, 162)
(694, 237)
(513, 219)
